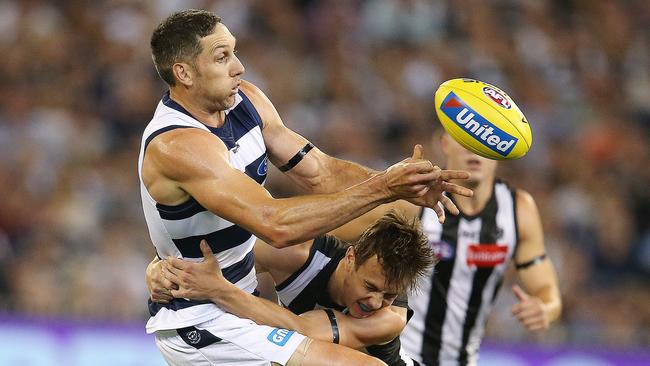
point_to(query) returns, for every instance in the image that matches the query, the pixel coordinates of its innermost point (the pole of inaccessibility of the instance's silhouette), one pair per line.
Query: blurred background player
(365, 283)
(499, 225)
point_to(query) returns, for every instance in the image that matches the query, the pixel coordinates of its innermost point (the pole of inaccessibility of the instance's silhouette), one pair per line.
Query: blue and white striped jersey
(176, 231)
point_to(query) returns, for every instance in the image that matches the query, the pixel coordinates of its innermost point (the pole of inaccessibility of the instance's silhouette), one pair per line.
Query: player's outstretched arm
(312, 169)
(540, 303)
(192, 162)
(318, 172)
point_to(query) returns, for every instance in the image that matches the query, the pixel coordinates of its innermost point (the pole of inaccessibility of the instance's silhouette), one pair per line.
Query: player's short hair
(402, 249)
(177, 39)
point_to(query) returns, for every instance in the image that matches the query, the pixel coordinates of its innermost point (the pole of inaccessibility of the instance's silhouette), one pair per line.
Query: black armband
(296, 158)
(531, 262)
(334, 324)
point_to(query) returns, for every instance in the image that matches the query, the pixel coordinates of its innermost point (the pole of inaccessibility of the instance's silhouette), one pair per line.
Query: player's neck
(475, 204)
(209, 118)
(336, 283)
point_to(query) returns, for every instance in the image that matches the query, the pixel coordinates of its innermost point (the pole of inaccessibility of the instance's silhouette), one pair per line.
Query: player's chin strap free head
(296, 158)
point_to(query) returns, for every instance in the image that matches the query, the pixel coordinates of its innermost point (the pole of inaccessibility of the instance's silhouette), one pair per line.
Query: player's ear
(184, 73)
(349, 257)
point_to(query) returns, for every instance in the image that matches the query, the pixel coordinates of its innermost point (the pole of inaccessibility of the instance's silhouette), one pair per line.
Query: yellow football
(483, 118)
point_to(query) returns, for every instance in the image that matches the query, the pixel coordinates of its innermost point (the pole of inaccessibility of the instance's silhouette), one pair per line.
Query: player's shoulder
(169, 143)
(525, 200)
(330, 246)
(184, 152)
(259, 100)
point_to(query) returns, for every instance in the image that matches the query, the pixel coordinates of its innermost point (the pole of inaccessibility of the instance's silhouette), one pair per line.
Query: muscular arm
(352, 230)
(542, 303)
(317, 172)
(192, 162)
(281, 262)
(381, 327)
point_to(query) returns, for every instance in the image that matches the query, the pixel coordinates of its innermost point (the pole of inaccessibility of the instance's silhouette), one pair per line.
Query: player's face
(459, 158)
(365, 289)
(218, 70)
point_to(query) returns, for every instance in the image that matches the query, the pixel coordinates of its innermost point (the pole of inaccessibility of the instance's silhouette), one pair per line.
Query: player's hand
(411, 177)
(159, 287)
(434, 196)
(530, 311)
(195, 280)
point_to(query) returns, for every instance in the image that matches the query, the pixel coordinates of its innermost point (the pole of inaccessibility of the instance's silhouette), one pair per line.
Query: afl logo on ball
(497, 96)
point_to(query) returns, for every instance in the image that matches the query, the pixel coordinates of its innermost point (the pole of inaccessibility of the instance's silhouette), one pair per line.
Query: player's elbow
(391, 328)
(276, 236)
(395, 327)
(273, 231)
(279, 229)
(279, 241)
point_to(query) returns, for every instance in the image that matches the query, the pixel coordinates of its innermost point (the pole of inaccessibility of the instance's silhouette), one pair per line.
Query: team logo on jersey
(193, 337)
(497, 97)
(486, 255)
(264, 166)
(280, 336)
(235, 148)
(442, 250)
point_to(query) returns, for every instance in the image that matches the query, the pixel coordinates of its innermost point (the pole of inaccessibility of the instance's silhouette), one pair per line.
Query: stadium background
(357, 79)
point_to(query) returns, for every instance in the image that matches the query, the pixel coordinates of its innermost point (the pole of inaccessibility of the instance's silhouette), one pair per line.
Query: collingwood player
(202, 165)
(499, 225)
(357, 284)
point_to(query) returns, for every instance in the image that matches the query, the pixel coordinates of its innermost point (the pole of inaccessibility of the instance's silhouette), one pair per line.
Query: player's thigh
(319, 353)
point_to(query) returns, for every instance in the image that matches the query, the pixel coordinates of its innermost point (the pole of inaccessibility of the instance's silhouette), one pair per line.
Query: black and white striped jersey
(306, 289)
(455, 298)
(177, 230)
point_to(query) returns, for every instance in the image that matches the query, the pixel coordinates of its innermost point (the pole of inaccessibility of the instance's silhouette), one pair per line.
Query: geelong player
(497, 226)
(202, 165)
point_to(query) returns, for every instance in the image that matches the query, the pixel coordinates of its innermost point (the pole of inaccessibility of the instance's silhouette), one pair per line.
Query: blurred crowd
(356, 78)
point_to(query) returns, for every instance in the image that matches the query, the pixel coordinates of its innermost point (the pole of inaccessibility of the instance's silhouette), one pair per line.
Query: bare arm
(542, 303)
(192, 162)
(204, 281)
(281, 262)
(352, 230)
(318, 172)
(381, 327)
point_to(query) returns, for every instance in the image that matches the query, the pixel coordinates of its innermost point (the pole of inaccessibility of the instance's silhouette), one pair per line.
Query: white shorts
(228, 340)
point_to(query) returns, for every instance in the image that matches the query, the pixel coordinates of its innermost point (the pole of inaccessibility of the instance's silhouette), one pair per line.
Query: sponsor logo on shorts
(477, 126)
(486, 255)
(280, 336)
(497, 96)
(442, 250)
(264, 165)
